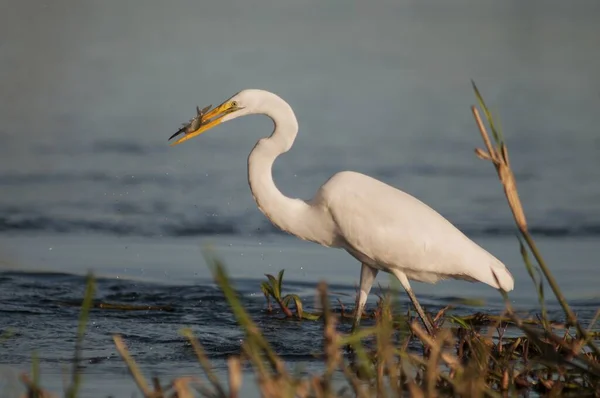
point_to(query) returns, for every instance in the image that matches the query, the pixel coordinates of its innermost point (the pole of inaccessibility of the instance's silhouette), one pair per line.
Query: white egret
(384, 228)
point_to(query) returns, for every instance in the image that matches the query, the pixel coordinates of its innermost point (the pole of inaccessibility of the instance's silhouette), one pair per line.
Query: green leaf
(538, 282)
(364, 365)
(528, 264)
(310, 316)
(495, 132)
(541, 297)
(266, 289)
(459, 321)
(498, 127)
(35, 369)
(86, 305)
(299, 308)
(297, 303)
(275, 285)
(280, 281)
(7, 334)
(356, 337)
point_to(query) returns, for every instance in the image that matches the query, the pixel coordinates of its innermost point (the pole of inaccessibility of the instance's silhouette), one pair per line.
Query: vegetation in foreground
(472, 358)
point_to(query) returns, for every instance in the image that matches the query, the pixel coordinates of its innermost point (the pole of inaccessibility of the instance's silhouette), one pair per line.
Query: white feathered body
(390, 229)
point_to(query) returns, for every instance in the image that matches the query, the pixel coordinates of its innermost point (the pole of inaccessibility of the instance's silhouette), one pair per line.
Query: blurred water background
(91, 90)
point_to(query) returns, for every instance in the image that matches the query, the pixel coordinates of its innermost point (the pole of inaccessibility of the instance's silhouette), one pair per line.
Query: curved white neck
(294, 216)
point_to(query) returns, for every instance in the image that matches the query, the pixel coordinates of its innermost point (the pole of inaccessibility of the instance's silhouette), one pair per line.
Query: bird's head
(243, 103)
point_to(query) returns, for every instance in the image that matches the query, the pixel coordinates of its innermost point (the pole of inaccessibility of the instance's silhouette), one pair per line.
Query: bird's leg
(404, 282)
(367, 277)
(420, 311)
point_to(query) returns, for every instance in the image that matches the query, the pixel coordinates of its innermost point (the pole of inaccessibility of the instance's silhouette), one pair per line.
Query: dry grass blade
(204, 361)
(235, 376)
(432, 371)
(331, 348)
(495, 132)
(500, 161)
(415, 391)
(354, 382)
(450, 360)
(33, 390)
(158, 390)
(132, 366)
(181, 386)
(594, 320)
(255, 338)
(90, 289)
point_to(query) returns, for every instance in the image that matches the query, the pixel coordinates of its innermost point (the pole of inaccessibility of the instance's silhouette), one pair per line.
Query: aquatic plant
(272, 290)
(395, 356)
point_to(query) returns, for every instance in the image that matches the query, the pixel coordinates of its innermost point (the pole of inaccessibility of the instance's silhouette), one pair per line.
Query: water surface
(91, 91)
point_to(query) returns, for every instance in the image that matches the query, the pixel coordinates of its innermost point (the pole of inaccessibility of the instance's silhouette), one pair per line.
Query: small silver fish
(194, 123)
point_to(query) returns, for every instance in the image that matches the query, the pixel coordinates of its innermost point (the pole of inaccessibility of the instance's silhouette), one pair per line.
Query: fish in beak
(194, 123)
(204, 120)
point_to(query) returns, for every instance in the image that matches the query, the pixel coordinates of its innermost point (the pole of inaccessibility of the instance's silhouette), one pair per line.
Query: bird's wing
(396, 230)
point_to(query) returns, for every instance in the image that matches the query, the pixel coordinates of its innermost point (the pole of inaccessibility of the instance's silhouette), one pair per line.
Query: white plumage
(395, 230)
(382, 227)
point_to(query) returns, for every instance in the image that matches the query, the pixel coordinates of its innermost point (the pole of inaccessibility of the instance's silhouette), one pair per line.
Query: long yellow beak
(209, 120)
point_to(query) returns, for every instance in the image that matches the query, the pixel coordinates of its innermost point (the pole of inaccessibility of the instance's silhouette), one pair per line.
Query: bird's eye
(234, 104)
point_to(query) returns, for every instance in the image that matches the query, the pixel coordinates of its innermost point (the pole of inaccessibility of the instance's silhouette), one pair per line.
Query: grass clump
(468, 356)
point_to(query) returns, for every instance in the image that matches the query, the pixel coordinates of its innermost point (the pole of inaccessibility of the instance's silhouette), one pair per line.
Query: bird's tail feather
(499, 277)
